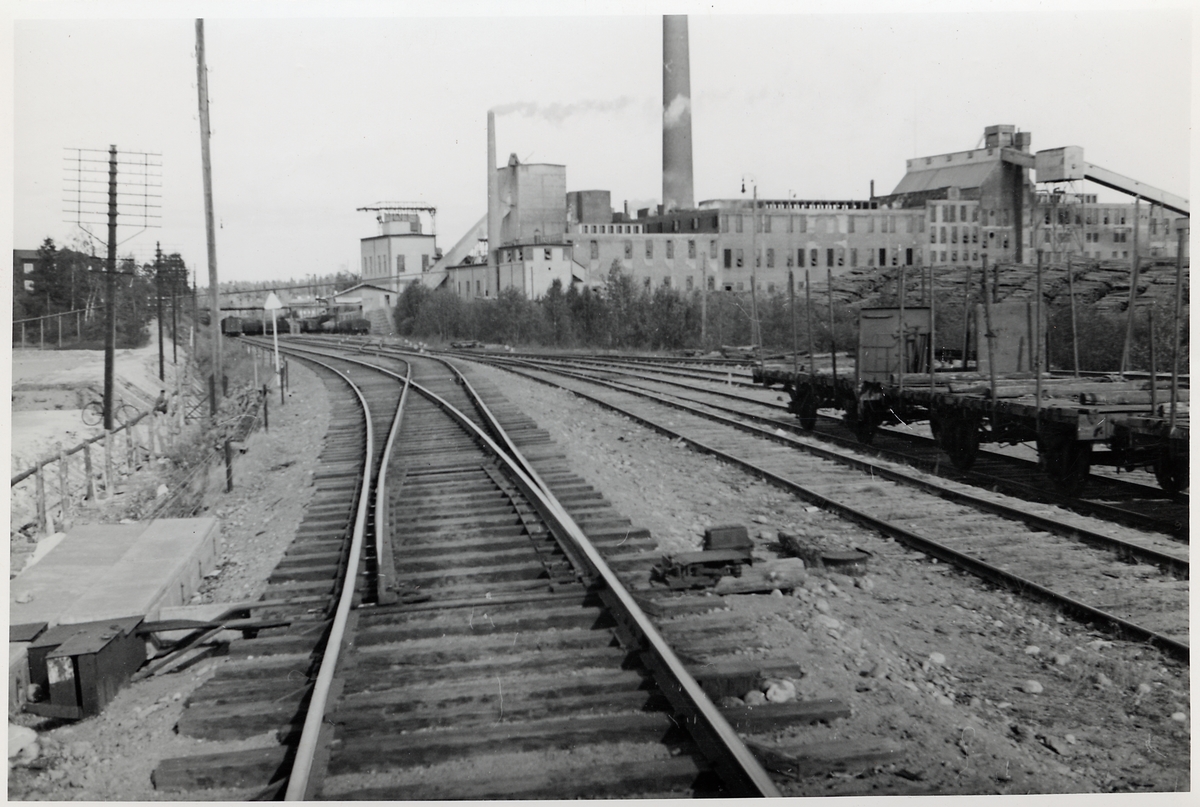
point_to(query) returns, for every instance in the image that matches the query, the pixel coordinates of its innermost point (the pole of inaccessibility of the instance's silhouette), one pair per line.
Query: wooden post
(1153, 365)
(991, 340)
(58, 320)
(995, 283)
(254, 363)
(212, 397)
(792, 308)
(704, 300)
(832, 340)
(1037, 345)
(228, 467)
(932, 335)
(1074, 332)
(900, 292)
(108, 465)
(1133, 284)
(1175, 354)
(808, 315)
(41, 501)
(41, 333)
(64, 486)
(87, 470)
(130, 460)
(266, 413)
(966, 343)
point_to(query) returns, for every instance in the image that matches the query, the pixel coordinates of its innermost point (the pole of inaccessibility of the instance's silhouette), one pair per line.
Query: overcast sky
(314, 116)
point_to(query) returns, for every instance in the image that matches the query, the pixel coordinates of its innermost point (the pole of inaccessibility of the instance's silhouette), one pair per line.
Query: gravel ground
(987, 692)
(984, 692)
(110, 757)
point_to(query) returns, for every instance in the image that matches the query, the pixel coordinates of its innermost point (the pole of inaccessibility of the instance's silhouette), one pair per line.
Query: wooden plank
(251, 768)
(821, 759)
(769, 717)
(359, 754)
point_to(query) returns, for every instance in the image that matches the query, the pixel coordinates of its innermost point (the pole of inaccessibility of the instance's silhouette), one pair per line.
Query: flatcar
(1007, 398)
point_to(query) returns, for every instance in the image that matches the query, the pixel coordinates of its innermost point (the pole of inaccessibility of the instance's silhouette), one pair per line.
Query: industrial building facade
(953, 210)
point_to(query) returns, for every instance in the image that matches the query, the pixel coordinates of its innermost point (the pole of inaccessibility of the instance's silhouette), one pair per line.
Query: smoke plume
(556, 112)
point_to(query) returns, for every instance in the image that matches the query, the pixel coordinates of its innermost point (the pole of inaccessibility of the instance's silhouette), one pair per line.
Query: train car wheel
(804, 405)
(866, 424)
(959, 438)
(1171, 471)
(1065, 460)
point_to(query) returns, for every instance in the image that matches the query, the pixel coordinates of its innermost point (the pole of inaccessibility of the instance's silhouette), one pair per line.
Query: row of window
(825, 224)
(611, 229)
(973, 234)
(531, 253)
(952, 212)
(834, 256)
(376, 265)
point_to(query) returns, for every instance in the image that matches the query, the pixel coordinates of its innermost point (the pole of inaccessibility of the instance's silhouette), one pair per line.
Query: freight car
(1007, 398)
(231, 326)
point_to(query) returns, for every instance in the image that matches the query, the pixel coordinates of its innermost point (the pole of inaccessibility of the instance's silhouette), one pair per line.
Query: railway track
(453, 632)
(1136, 504)
(1146, 606)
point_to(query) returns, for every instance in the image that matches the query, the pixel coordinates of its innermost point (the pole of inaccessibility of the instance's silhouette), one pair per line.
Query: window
(741, 286)
(758, 257)
(476, 286)
(974, 235)
(689, 282)
(364, 269)
(667, 282)
(948, 213)
(954, 256)
(908, 256)
(850, 224)
(728, 287)
(729, 259)
(891, 222)
(399, 264)
(424, 263)
(766, 224)
(770, 288)
(962, 213)
(712, 283)
(883, 256)
(975, 213)
(943, 235)
(738, 223)
(739, 259)
(954, 235)
(712, 249)
(841, 257)
(853, 256)
(803, 224)
(943, 253)
(770, 257)
(812, 258)
(724, 224)
(628, 250)
(649, 249)
(791, 224)
(829, 256)
(547, 253)
(670, 250)
(595, 252)
(908, 224)
(691, 249)
(791, 262)
(933, 235)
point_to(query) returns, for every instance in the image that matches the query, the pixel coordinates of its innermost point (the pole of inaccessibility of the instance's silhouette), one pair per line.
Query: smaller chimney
(872, 189)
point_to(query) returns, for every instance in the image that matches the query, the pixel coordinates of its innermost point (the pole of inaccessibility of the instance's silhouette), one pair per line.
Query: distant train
(247, 326)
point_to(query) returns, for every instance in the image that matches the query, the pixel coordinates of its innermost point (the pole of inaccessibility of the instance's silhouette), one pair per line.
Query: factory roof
(971, 175)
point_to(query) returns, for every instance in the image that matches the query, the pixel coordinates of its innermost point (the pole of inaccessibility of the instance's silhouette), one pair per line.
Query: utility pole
(110, 294)
(755, 332)
(206, 162)
(158, 299)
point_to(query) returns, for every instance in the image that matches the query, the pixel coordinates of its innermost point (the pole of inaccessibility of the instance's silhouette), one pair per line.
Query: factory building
(403, 250)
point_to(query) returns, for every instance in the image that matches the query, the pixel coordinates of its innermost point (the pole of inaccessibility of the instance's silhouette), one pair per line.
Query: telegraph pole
(110, 293)
(158, 269)
(214, 306)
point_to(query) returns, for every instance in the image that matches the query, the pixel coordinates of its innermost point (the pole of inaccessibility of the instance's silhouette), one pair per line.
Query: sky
(319, 109)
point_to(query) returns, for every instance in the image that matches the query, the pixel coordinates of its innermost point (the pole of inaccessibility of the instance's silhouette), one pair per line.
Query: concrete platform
(106, 571)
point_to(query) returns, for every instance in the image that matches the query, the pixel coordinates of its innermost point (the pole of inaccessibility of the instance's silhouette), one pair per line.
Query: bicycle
(93, 413)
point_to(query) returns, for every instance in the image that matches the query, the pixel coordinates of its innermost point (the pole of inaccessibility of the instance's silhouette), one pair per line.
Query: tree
(557, 313)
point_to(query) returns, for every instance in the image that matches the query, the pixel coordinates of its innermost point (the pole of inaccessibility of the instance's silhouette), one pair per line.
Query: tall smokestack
(677, 116)
(493, 204)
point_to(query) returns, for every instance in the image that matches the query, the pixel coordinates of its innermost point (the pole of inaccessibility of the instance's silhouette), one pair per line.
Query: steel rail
(382, 548)
(314, 719)
(1176, 565)
(745, 776)
(976, 566)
